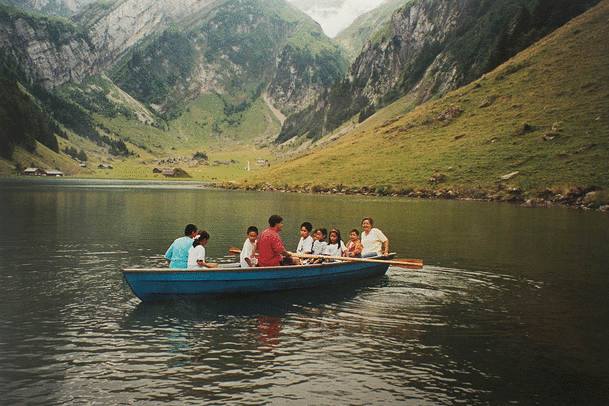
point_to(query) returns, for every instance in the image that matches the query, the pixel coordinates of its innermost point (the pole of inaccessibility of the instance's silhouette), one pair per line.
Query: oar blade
(407, 263)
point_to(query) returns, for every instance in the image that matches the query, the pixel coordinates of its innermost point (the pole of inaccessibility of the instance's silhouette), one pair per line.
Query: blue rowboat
(175, 284)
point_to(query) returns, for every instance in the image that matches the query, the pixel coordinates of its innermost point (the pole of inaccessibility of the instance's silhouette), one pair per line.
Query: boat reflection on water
(241, 330)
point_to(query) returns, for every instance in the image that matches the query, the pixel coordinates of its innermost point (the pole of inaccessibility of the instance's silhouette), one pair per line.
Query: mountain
(354, 37)
(247, 55)
(428, 48)
(51, 7)
(532, 130)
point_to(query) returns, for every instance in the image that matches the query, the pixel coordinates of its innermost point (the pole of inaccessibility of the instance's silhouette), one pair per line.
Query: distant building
(169, 173)
(34, 172)
(54, 173)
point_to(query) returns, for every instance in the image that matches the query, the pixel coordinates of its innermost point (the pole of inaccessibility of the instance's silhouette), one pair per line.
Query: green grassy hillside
(542, 117)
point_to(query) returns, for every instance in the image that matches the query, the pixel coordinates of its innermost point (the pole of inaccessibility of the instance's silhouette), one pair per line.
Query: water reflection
(430, 331)
(510, 308)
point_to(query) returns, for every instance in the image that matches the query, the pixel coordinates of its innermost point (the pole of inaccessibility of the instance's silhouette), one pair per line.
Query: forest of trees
(22, 123)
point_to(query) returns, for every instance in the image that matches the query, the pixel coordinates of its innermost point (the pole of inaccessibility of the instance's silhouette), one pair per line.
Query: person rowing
(271, 251)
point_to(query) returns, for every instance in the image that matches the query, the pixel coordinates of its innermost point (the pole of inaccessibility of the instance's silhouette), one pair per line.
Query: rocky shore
(575, 198)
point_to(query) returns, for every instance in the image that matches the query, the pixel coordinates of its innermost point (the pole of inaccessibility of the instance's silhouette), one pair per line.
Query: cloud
(335, 15)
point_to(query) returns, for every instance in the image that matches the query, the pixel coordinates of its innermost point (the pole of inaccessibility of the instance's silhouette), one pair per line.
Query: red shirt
(269, 248)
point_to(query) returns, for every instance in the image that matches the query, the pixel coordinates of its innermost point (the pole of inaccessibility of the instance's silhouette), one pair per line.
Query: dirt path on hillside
(276, 112)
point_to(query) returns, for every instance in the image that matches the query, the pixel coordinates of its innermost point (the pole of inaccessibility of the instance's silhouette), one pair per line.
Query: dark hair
(324, 232)
(369, 219)
(355, 230)
(252, 228)
(191, 228)
(335, 231)
(307, 225)
(275, 219)
(201, 235)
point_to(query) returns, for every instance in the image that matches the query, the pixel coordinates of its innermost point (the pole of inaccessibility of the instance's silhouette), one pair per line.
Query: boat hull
(176, 284)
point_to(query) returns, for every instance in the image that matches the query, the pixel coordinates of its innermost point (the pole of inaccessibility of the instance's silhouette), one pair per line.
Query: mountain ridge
(167, 55)
(427, 48)
(531, 131)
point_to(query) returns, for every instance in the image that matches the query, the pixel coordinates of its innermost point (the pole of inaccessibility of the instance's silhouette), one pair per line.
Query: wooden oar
(403, 263)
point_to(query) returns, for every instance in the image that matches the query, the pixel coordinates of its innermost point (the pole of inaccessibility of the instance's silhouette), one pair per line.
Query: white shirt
(373, 242)
(318, 247)
(305, 245)
(334, 250)
(196, 254)
(248, 251)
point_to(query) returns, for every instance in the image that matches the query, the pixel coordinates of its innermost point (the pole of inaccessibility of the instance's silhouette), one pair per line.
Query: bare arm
(206, 265)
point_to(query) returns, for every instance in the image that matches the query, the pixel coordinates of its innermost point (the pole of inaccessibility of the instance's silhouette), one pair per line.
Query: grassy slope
(563, 79)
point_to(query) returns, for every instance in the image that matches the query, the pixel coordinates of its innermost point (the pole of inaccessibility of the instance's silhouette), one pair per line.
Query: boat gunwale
(220, 269)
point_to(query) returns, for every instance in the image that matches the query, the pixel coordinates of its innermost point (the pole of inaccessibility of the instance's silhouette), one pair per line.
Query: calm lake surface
(511, 306)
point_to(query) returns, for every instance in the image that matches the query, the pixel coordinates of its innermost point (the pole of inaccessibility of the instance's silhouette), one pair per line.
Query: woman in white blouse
(373, 240)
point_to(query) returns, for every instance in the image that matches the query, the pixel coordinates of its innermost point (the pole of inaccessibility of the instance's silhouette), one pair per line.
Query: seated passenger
(336, 247)
(177, 254)
(373, 240)
(354, 246)
(305, 245)
(270, 246)
(320, 243)
(196, 253)
(248, 253)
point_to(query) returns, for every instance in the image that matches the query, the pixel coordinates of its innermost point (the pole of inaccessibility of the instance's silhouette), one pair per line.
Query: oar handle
(417, 263)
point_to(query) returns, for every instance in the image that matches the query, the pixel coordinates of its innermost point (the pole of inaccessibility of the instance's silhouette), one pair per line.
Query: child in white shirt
(336, 247)
(248, 253)
(320, 243)
(196, 253)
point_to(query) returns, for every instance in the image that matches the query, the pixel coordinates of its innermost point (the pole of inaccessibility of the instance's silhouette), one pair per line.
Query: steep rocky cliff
(45, 51)
(415, 33)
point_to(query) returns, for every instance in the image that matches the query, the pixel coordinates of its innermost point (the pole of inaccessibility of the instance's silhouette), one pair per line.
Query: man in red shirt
(270, 247)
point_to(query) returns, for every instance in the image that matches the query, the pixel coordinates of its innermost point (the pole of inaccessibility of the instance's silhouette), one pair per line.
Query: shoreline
(577, 199)
(584, 199)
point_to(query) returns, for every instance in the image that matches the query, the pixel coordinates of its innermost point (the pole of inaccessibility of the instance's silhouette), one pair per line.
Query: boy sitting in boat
(248, 253)
(354, 246)
(320, 243)
(177, 254)
(305, 245)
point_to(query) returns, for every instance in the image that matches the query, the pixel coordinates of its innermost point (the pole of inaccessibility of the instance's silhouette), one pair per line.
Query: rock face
(55, 55)
(117, 29)
(46, 60)
(410, 57)
(234, 43)
(415, 30)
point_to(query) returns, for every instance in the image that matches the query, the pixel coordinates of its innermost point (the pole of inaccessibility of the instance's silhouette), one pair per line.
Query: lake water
(511, 306)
